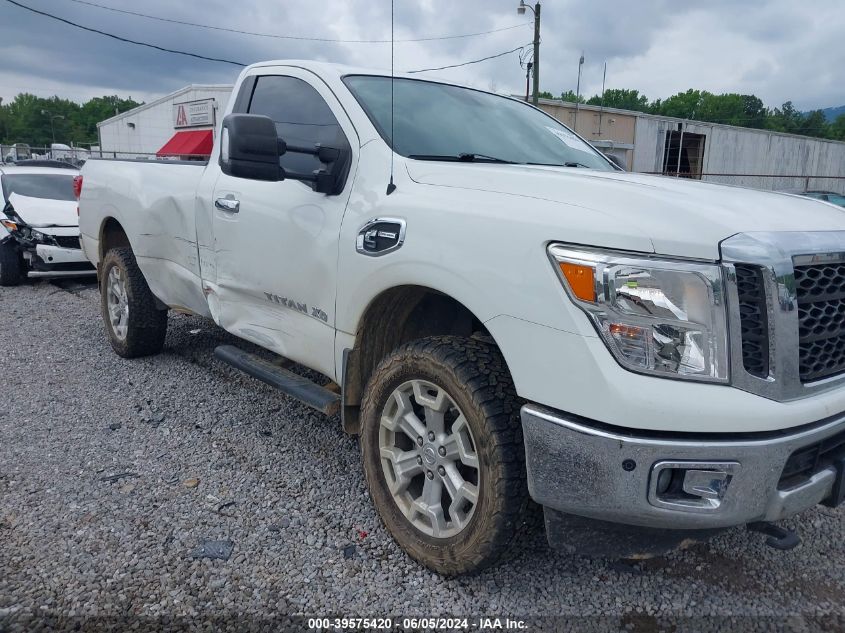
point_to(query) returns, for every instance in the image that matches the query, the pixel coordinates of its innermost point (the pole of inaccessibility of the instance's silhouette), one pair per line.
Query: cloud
(777, 49)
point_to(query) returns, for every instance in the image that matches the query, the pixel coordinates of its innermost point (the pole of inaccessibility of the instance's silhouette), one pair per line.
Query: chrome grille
(820, 290)
(751, 295)
(802, 275)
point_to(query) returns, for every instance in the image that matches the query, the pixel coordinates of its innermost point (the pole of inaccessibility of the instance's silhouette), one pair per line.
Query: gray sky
(777, 49)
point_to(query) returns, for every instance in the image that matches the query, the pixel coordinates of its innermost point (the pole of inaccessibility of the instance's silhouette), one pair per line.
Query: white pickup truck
(505, 313)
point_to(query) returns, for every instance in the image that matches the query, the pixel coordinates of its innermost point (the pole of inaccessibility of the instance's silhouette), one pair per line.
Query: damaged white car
(40, 224)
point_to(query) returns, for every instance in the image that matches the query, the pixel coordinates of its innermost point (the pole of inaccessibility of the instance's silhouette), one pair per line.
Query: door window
(302, 118)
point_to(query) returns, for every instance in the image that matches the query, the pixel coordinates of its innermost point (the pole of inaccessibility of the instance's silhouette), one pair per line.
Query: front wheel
(134, 323)
(442, 447)
(11, 264)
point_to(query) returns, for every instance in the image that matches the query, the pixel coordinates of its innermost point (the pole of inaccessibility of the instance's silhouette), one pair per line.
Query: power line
(294, 37)
(124, 39)
(474, 61)
(217, 59)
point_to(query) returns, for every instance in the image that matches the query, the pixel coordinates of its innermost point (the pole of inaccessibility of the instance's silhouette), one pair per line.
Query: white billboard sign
(193, 113)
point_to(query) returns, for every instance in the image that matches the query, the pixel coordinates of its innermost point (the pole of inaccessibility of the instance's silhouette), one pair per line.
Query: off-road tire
(147, 325)
(11, 266)
(475, 376)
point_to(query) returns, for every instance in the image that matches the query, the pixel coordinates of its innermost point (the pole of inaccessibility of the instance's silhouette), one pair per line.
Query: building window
(683, 154)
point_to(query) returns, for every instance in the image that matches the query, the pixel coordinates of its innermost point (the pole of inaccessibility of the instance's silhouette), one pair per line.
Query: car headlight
(659, 317)
(38, 236)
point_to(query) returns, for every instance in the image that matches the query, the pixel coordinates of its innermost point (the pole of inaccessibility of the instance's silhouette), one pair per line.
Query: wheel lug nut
(442, 451)
(419, 460)
(431, 436)
(429, 474)
(419, 441)
(441, 471)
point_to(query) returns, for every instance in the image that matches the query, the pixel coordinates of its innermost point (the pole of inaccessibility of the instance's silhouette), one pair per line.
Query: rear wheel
(11, 264)
(134, 323)
(442, 448)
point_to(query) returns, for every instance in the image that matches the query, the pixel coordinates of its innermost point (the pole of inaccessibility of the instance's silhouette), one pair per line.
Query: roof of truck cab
(342, 70)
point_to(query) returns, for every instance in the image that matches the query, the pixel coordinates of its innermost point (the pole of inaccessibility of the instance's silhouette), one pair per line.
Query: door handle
(229, 205)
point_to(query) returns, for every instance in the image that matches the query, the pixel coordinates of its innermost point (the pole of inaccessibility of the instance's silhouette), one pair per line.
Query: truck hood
(43, 212)
(681, 217)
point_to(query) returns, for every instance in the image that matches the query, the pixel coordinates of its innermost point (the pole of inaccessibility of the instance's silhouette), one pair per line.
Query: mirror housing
(250, 148)
(615, 160)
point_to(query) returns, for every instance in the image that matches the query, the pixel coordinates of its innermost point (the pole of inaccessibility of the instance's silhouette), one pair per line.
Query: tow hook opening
(778, 537)
(690, 486)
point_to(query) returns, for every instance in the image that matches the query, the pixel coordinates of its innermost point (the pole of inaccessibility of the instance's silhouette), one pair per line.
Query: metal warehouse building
(181, 124)
(708, 151)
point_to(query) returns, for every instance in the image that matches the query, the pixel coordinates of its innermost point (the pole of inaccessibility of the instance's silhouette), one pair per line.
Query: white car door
(275, 244)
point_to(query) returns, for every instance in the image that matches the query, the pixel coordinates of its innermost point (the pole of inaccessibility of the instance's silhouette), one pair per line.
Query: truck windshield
(443, 122)
(49, 186)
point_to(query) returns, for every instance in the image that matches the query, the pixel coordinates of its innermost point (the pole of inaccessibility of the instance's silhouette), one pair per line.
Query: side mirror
(249, 148)
(615, 160)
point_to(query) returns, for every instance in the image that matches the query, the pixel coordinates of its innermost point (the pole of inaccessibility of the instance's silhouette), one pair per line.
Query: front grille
(820, 290)
(67, 241)
(753, 321)
(807, 461)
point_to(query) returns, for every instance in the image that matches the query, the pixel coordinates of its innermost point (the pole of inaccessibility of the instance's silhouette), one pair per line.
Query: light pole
(536, 11)
(578, 92)
(53, 117)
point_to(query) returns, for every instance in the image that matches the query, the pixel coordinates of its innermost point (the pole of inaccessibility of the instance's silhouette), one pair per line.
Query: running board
(285, 381)
(38, 274)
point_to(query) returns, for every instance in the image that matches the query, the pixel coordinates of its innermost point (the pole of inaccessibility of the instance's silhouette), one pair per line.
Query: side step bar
(286, 381)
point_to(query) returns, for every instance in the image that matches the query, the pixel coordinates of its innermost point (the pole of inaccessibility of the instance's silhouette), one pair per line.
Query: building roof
(165, 98)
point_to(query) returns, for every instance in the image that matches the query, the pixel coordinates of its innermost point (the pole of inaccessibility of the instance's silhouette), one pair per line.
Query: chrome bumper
(615, 476)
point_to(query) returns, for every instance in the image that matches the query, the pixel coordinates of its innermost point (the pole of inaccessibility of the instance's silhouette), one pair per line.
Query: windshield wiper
(567, 164)
(462, 158)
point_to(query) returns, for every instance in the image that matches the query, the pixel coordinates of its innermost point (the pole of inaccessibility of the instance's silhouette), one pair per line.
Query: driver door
(276, 243)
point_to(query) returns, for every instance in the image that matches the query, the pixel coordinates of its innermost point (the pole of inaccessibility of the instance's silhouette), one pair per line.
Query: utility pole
(527, 79)
(578, 93)
(603, 82)
(536, 10)
(536, 95)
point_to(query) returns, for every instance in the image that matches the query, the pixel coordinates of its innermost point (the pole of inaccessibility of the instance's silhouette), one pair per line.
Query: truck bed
(155, 203)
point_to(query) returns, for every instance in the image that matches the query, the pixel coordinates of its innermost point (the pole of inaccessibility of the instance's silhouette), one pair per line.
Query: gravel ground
(196, 451)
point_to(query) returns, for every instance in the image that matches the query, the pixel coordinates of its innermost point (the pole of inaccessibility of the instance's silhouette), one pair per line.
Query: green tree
(683, 105)
(837, 128)
(570, 97)
(785, 119)
(623, 99)
(814, 124)
(27, 119)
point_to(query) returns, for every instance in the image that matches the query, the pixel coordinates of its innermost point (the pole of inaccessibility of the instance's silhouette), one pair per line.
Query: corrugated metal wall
(730, 150)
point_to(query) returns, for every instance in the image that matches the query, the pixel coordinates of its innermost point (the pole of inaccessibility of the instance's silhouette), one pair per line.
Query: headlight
(38, 236)
(657, 317)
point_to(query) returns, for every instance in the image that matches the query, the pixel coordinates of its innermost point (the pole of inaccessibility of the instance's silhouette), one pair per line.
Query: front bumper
(47, 260)
(610, 474)
(53, 255)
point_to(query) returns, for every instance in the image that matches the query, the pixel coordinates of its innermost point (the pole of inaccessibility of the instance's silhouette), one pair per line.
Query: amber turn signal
(581, 279)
